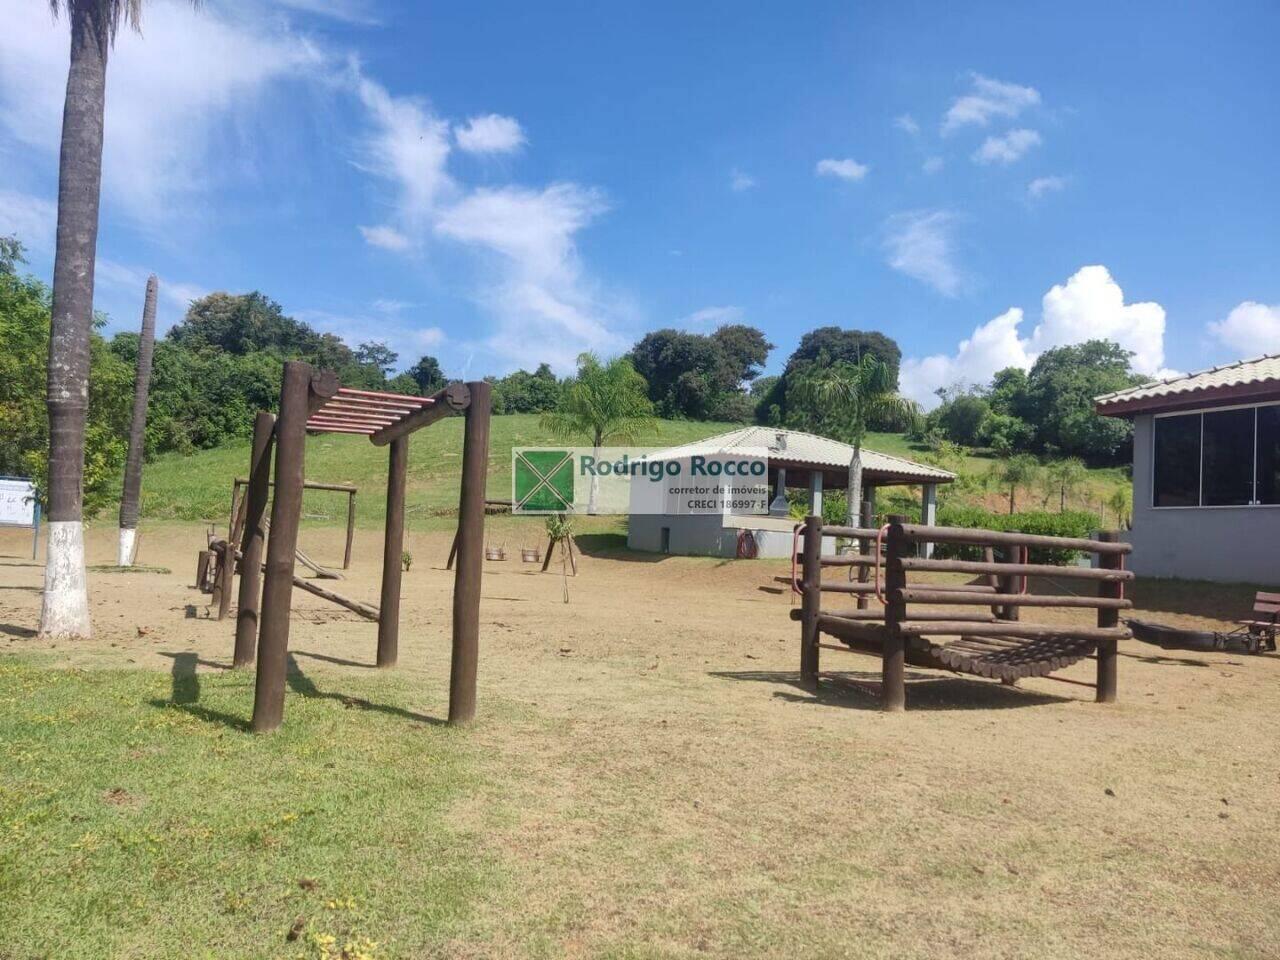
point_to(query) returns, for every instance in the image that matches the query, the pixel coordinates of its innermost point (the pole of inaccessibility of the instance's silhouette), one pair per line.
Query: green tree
(378, 355)
(1059, 400)
(697, 376)
(1018, 471)
(605, 402)
(851, 394)
(821, 348)
(426, 373)
(1066, 476)
(524, 392)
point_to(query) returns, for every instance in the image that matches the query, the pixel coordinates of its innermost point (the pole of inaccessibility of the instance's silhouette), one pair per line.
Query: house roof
(808, 450)
(1241, 381)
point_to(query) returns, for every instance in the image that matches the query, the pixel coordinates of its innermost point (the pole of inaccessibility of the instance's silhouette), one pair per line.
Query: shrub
(1070, 523)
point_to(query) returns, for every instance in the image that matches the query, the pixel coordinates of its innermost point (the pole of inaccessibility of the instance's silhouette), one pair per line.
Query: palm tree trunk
(65, 612)
(137, 430)
(1013, 498)
(854, 494)
(594, 495)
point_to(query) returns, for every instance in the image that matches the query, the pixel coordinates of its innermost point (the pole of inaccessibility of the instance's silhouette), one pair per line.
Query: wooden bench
(1260, 631)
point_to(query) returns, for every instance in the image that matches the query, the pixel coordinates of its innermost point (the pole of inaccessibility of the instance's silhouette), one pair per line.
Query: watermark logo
(637, 480)
(542, 481)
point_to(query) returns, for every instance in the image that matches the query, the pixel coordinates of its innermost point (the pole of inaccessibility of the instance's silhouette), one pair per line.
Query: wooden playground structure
(994, 643)
(312, 401)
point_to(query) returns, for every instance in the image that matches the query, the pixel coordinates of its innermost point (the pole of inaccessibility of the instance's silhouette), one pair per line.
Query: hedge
(1071, 523)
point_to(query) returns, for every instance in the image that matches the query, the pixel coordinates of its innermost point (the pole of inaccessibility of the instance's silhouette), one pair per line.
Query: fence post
(866, 520)
(1108, 655)
(255, 498)
(893, 680)
(811, 603)
(470, 570)
(392, 548)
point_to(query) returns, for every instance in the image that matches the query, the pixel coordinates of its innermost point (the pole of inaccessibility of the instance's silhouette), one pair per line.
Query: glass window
(1177, 461)
(1268, 490)
(1228, 458)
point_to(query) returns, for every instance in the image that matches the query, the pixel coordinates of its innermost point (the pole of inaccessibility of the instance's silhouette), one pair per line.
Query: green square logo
(542, 481)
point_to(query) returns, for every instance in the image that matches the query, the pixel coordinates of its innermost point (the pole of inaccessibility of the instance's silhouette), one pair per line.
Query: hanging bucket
(495, 553)
(530, 555)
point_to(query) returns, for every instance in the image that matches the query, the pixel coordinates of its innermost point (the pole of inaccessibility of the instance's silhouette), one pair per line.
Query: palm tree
(1017, 472)
(846, 396)
(608, 402)
(1120, 502)
(137, 430)
(1066, 476)
(94, 24)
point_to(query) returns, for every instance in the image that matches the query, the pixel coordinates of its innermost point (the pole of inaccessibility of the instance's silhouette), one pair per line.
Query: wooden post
(893, 679)
(286, 509)
(1108, 655)
(392, 548)
(351, 529)
(470, 570)
(255, 497)
(202, 569)
(811, 603)
(866, 520)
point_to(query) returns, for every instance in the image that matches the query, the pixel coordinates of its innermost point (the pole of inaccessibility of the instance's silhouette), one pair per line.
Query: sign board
(17, 502)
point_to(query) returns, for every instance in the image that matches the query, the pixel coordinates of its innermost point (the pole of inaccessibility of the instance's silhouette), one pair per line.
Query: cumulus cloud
(1089, 306)
(1007, 149)
(33, 220)
(186, 103)
(846, 169)
(907, 124)
(921, 244)
(1250, 329)
(386, 238)
(490, 133)
(709, 318)
(739, 181)
(1043, 186)
(987, 100)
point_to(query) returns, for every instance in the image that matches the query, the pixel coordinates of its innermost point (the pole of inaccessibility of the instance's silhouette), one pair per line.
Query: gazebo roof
(794, 448)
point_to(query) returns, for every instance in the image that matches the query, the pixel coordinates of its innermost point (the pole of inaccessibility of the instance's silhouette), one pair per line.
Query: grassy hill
(198, 487)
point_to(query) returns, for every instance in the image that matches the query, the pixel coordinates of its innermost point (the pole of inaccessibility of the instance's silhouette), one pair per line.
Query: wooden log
(475, 399)
(452, 399)
(851, 533)
(1025, 569)
(811, 603)
(382, 395)
(1031, 631)
(308, 484)
(392, 548)
(351, 529)
(877, 615)
(254, 539)
(918, 533)
(322, 387)
(893, 688)
(976, 598)
(1108, 654)
(286, 509)
(327, 428)
(202, 569)
(870, 588)
(368, 611)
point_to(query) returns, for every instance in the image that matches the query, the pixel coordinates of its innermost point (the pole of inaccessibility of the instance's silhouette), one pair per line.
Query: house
(1206, 472)
(796, 460)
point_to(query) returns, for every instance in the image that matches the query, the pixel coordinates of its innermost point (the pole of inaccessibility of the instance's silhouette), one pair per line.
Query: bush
(1071, 523)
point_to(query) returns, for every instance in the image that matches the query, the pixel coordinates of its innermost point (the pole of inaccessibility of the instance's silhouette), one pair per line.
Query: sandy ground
(656, 776)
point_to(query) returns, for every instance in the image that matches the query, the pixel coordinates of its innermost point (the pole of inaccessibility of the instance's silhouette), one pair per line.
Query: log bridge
(985, 636)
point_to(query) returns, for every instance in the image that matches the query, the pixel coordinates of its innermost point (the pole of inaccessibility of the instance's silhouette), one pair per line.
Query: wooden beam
(322, 386)
(253, 539)
(1108, 618)
(1030, 631)
(923, 594)
(392, 548)
(1023, 569)
(452, 399)
(919, 532)
(811, 604)
(381, 395)
(470, 569)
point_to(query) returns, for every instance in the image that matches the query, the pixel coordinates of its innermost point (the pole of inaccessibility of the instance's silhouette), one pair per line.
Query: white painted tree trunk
(594, 496)
(128, 546)
(855, 485)
(65, 614)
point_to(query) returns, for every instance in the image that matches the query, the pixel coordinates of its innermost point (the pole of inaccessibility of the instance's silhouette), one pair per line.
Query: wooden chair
(1259, 633)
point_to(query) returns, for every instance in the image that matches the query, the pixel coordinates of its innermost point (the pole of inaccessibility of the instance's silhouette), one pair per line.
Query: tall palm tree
(608, 402)
(94, 24)
(137, 430)
(846, 397)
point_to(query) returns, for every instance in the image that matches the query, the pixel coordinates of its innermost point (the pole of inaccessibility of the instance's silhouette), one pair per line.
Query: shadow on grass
(304, 686)
(614, 547)
(860, 690)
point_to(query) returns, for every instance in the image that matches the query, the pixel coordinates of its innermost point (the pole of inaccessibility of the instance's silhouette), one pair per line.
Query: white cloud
(988, 99)
(124, 284)
(186, 103)
(1250, 329)
(1042, 186)
(920, 244)
(429, 338)
(907, 124)
(387, 238)
(348, 11)
(846, 169)
(33, 220)
(490, 133)
(1007, 149)
(933, 165)
(739, 181)
(709, 318)
(1089, 306)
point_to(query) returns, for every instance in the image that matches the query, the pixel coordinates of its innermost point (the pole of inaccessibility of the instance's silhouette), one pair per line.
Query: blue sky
(505, 183)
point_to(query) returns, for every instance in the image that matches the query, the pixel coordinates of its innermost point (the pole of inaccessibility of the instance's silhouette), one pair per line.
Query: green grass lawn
(138, 818)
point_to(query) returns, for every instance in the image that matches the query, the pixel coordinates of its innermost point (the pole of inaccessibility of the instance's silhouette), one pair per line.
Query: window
(1219, 458)
(1177, 461)
(1227, 451)
(1268, 490)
